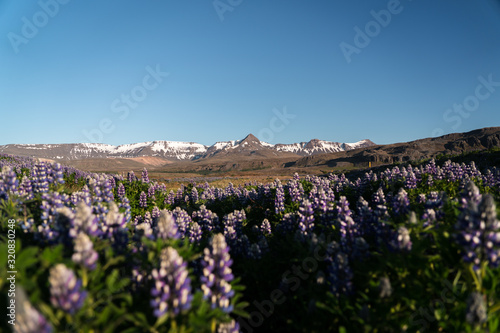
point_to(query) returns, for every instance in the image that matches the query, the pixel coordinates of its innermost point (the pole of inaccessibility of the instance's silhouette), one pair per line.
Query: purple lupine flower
(401, 203)
(172, 287)
(411, 180)
(145, 176)
(40, 182)
(58, 174)
(151, 192)
(28, 319)
(293, 189)
(114, 228)
(429, 217)
(183, 220)
(155, 213)
(306, 217)
(9, 181)
(143, 200)
(166, 225)
(120, 191)
(402, 240)
(470, 195)
(385, 287)
(206, 219)
(254, 251)
(84, 252)
(217, 274)
(340, 273)
(479, 232)
(26, 189)
(65, 290)
(232, 327)
(169, 199)
(131, 176)
(195, 233)
(265, 227)
(84, 221)
(477, 312)
(194, 195)
(279, 201)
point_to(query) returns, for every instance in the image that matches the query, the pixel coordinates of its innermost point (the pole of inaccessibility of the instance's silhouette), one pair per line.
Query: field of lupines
(409, 249)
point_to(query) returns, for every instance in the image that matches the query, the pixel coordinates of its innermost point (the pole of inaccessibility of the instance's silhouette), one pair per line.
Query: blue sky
(284, 70)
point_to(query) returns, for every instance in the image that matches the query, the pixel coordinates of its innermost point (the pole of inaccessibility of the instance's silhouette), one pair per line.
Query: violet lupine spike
(151, 192)
(120, 191)
(471, 194)
(155, 213)
(477, 312)
(145, 176)
(26, 188)
(194, 195)
(279, 201)
(195, 233)
(206, 219)
(401, 203)
(9, 181)
(232, 327)
(58, 173)
(40, 182)
(131, 176)
(114, 227)
(265, 227)
(479, 232)
(172, 287)
(65, 289)
(306, 217)
(143, 200)
(28, 319)
(340, 273)
(183, 220)
(166, 225)
(85, 254)
(217, 274)
(85, 221)
(402, 240)
(169, 199)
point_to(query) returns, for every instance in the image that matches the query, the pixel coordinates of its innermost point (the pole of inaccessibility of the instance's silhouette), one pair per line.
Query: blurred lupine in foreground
(479, 229)
(171, 291)
(65, 289)
(28, 319)
(217, 274)
(167, 227)
(145, 176)
(476, 309)
(84, 252)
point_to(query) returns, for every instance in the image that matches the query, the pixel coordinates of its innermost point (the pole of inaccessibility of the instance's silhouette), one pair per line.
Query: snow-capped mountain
(176, 150)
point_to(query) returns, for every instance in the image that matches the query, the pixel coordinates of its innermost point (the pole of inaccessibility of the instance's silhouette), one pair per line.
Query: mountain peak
(250, 138)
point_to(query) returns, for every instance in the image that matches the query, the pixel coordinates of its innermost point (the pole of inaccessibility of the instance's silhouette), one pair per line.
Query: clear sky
(126, 71)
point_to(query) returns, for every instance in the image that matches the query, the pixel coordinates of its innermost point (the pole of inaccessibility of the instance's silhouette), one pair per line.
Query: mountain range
(173, 151)
(250, 155)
